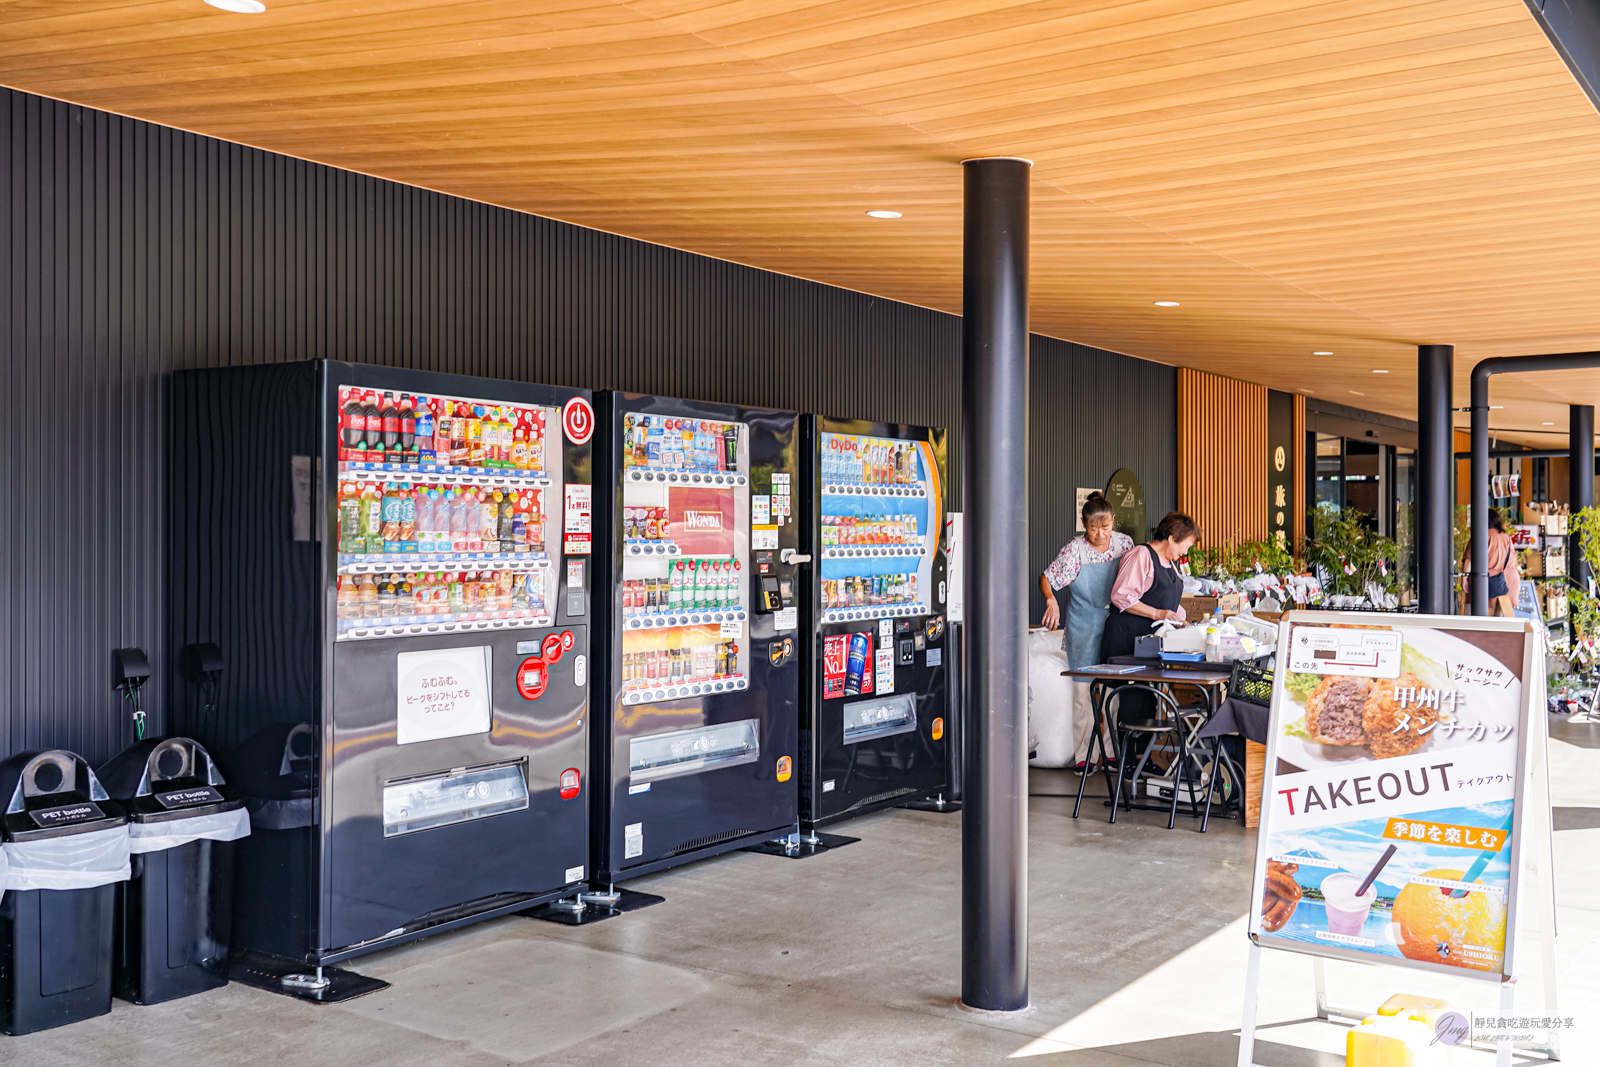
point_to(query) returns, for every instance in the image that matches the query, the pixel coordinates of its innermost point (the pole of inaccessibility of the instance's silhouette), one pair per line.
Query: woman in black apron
(1149, 587)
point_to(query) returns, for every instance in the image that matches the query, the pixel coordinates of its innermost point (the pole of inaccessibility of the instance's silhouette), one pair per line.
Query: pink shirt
(1135, 574)
(1502, 560)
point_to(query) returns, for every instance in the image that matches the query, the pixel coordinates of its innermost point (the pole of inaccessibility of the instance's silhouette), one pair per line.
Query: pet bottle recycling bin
(65, 848)
(173, 917)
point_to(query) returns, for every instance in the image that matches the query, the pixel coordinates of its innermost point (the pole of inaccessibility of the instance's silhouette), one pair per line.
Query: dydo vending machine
(874, 729)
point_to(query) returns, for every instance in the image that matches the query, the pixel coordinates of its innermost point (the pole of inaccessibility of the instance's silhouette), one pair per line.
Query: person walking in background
(1505, 574)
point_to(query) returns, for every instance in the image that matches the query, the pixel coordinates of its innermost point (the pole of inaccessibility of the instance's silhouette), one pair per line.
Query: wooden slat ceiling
(1354, 175)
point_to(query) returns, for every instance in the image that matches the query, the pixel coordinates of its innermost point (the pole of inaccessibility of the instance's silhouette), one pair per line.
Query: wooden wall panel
(1222, 456)
(1299, 501)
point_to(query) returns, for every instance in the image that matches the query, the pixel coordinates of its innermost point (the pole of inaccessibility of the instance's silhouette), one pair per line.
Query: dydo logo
(702, 520)
(843, 445)
(577, 420)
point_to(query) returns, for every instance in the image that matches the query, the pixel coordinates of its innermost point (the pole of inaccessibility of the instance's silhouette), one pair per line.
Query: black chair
(1143, 736)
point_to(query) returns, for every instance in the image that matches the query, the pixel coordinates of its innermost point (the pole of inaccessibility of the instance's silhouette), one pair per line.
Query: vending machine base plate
(298, 980)
(938, 803)
(589, 908)
(814, 844)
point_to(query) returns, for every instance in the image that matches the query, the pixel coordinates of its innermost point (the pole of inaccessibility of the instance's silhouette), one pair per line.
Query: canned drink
(856, 665)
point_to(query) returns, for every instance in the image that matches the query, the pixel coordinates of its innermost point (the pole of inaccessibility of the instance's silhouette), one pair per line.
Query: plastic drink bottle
(355, 428)
(425, 505)
(458, 434)
(508, 437)
(391, 429)
(455, 521)
(345, 604)
(367, 596)
(489, 517)
(506, 508)
(408, 430)
(350, 540)
(519, 450)
(675, 591)
(475, 453)
(372, 428)
(472, 521)
(391, 517)
(408, 519)
(423, 427)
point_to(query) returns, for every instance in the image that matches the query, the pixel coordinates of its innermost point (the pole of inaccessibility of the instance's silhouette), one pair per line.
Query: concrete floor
(1138, 953)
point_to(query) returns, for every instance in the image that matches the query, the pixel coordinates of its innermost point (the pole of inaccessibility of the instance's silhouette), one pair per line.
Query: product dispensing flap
(217, 826)
(703, 748)
(868, 719)
(80, 861)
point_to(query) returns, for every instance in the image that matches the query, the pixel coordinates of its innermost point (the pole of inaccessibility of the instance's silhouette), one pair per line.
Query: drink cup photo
(1347, 912)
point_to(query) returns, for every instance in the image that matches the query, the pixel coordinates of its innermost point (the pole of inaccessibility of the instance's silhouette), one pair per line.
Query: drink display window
(685, 536)
(875, 535)
(443, 514)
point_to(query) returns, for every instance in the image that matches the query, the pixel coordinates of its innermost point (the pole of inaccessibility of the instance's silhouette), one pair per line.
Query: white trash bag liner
(217, 826)
(77, 861)
(1053, 718)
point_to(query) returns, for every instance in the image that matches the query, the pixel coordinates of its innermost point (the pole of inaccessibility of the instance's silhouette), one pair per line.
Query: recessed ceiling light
(874, 214)
(1166, 303)
(1547, 424)
(1357, 393)
(1322, 353)
(1379, 370)
(242, 7)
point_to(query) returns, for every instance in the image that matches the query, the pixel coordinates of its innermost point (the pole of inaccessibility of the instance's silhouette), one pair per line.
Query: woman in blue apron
(1087, 568)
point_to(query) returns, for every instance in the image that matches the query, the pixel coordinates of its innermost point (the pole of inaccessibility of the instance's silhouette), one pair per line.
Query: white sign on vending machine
(443, 692)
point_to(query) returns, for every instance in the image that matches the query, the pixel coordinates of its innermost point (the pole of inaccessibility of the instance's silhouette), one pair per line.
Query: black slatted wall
(129, 250)
(1089, 414)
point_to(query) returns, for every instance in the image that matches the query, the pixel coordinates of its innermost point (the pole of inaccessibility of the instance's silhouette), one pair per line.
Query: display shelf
(409, 625)
(873, 552)
(414, 562)
(873, 489)
(430, 474)
(658, 620)
(726, 683)
(874, 611)
(682, 477)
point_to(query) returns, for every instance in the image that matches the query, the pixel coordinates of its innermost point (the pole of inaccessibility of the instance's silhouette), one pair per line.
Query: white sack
(217, 826)
(78, 861)
(1051, 717)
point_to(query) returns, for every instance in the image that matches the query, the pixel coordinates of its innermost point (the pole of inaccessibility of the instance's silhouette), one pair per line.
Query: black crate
(1251, 683)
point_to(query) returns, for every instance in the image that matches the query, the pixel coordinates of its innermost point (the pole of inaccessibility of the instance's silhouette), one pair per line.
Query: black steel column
(994, 479)
(1580, 481)
(1478, 568)
(1436, 471)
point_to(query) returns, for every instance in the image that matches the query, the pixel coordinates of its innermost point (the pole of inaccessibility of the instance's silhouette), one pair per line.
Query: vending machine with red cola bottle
(874, 730)
(396, 565)
(694, 749)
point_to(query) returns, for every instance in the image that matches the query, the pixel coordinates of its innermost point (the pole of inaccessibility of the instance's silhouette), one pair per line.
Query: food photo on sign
(1389, 809)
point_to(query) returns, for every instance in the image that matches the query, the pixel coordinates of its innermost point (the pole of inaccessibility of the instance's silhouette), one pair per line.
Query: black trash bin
(65, 848)
(174, 916)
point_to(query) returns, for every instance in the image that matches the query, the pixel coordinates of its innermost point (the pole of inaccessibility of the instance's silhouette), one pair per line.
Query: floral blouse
(1077, 552)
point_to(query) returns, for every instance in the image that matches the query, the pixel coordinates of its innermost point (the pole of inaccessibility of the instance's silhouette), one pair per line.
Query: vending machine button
(570, 783)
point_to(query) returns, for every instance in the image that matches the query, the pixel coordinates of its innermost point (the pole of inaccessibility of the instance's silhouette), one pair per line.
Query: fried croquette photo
(1334, 710)
(1392, 730)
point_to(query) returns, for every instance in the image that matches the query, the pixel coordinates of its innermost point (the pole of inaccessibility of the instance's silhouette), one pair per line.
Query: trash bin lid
(160, 779)
(54, 793)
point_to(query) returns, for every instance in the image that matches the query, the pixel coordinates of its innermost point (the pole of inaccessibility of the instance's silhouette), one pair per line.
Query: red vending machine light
(569, 783)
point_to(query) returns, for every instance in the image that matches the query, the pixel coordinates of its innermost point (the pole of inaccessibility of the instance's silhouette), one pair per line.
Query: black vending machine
(873, 725)
(696, 751)
(395, 565)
